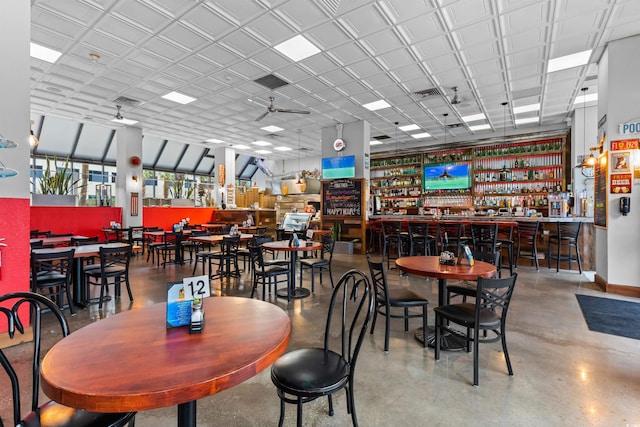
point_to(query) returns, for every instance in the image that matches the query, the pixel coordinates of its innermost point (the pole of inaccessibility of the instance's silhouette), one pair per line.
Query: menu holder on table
(184, 302)
(466, 257)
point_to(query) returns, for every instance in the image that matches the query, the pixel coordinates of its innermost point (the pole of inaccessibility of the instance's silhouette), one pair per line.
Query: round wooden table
(132, 362)
(429, 266)
(283, 246)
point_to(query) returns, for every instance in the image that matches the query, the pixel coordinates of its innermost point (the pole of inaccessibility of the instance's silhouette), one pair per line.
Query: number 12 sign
(180, 295)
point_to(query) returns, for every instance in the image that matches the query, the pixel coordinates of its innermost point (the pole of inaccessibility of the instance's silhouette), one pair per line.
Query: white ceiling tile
(402, 10)
(408, 74)
(463, 13)
(329, 36)
(318, 64)
(301, 14)
(239, 11)
(523, 19)
(164, 49)
(198, 64)
(422, 27)
(141, 14)
(516, 42)
(219, 55)
(348, 53)
(59, 24)
(208, 21)
(122, 30)
(100, 42)
(184, 37)
(241, 43)
(481, 52)
(396, 59)
(181, 73)
(364, 21)
(148, 60)
(381, 42)
(270, 29)
(432, 48)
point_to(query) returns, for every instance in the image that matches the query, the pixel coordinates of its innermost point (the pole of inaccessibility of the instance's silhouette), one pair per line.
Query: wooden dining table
(285, 246)
(56, 241)
(132, 362)
(429, 266)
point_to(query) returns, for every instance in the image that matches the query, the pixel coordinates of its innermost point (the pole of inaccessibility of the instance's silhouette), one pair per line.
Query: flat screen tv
(339, 167)
(447, 176)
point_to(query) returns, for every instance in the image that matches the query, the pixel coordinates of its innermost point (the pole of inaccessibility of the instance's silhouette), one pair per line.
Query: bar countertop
(587, 220)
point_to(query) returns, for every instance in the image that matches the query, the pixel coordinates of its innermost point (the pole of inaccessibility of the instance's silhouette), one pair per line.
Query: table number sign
(180, 296)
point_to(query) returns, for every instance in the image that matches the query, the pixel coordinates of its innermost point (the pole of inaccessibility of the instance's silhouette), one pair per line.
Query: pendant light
(504, 172)
(587, 162)
(445, 128)
(33, 139)
(299, 131)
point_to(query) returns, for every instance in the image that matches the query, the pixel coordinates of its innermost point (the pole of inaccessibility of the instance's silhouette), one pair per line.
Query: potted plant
(56, 185)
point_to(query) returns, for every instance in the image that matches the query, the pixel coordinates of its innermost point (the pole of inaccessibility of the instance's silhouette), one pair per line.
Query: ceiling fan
(272, 109)
(456, 99)
(118, 116)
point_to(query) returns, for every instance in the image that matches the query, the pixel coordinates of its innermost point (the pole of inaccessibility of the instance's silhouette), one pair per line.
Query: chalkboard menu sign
(342, 197)
(600, 191)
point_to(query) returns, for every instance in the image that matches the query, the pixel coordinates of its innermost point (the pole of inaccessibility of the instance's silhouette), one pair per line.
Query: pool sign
(630, 127)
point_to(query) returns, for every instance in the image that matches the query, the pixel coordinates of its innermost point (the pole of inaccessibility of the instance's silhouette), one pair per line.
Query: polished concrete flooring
(564, 374)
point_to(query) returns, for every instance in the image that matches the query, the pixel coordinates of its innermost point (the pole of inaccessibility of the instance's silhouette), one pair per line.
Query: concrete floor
(564, 374)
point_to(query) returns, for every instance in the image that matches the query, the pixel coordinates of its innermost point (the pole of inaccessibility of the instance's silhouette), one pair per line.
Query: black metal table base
(450, 340)
(294, 293)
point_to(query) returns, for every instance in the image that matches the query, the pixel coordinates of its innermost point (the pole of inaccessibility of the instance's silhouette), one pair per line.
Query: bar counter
(586, 240)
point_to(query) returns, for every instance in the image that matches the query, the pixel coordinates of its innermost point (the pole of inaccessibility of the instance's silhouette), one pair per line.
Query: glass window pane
(58, 136)
(93, 142)
(169, 157)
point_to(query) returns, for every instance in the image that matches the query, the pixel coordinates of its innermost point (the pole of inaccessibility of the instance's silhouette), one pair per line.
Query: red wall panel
(80, 220)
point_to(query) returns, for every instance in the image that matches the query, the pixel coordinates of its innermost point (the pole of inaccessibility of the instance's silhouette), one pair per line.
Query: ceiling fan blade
(262, 116)
(285, 110)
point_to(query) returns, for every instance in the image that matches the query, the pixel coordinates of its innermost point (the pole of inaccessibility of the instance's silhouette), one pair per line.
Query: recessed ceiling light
(376, 105)
(240, 147)
(283, 148)
(297, 48)
(408, 128)
(421, 135)
(215, 141)
(125, 121)
(179, 98)
(568, 61)
(479, 127)
(526, 108)
(44, 53)
(586, 98)
(263, 151)
(375, 142)
(527, 120)
(261, 143)
(473, 117)
(271, 128)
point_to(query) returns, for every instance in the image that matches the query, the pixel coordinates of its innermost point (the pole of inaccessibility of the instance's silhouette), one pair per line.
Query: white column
(225, 159)
(129, 179)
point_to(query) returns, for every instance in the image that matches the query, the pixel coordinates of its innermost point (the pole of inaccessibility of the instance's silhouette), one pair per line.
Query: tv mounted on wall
(339, 167)
(447, 176)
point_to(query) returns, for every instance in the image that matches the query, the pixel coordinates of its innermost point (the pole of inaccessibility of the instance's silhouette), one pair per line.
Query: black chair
(51, 273)
(51, 413)
(420, 240)
(267, 275)
(81, 241)
(450, 236)
(487, 314)
(322, 264)
(566, 234)
(506, 241)
(192, 246)
(310, 373)
(114, 267)
(171, 241)
(388, 299)
(227, 257)
(392, 238)
(527, 234)
(150, 243)
(484, 238)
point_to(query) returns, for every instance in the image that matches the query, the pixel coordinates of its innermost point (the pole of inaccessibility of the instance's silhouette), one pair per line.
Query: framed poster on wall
(600, 191)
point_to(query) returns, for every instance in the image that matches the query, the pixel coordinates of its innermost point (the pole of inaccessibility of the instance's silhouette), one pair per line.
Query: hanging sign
(620, 183)
(625, 144)
(629, 127)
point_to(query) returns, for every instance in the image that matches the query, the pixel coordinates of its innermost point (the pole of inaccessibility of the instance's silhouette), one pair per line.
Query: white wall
(619, 98)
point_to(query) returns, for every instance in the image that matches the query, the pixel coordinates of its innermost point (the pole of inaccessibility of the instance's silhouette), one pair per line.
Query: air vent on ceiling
(332, 5)
(271, 81)
(590, 78)
(123, 100)
(434, 91)
(381, 137)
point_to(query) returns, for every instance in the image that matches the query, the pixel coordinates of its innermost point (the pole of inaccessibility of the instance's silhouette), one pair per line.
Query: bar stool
(527, 234)
(505, 238)
(392, 237)
(567, 233)
(420, 241)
